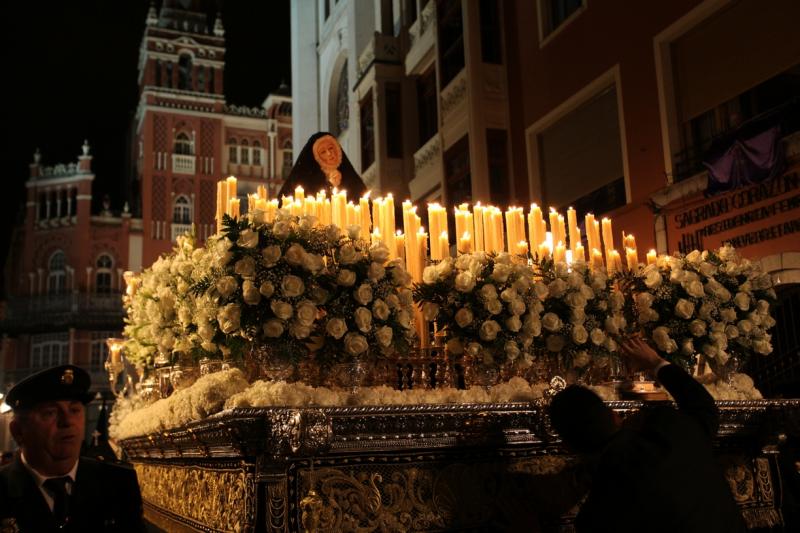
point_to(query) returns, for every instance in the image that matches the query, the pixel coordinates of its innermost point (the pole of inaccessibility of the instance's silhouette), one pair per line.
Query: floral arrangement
(711, 303)
(486, 304)
(578, 314)
(368, 304)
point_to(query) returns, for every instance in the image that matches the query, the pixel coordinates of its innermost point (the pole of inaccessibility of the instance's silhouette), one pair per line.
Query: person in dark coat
(48, 486)
(322, 165)
(656, 474)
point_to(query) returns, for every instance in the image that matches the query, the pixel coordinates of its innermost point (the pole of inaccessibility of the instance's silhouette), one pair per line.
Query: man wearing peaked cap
(48, 486)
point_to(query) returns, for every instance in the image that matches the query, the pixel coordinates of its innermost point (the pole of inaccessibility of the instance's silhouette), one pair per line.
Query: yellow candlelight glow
(652, 257)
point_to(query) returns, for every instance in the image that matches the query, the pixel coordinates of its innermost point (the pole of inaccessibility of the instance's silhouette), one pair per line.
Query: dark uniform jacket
(661, 475)
(105, 497)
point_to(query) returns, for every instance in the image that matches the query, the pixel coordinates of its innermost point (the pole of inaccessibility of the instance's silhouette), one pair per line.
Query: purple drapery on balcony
(745, 161)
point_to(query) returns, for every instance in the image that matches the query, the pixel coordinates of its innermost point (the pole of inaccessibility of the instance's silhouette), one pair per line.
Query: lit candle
(522, 248)
(262, 192)
(574, 230)
(589, 222)
(400, 244)
(562, 230)
(465, 243)
(544, 251)
(299, 194)
(553, 216)
(376, 236)
(233, 207)
(478, 221)
(631, 258)
(597, 259)
(534, 227)
(221, 203)
(366, 223)
(613, 262)
(560, 253)
(652, 257)
(251, 202)
(488, 234)
(578, 254)
(232, 192)
(444, 245)
(389, 225)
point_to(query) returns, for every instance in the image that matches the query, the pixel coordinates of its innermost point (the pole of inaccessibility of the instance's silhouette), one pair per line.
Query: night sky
(71, 74)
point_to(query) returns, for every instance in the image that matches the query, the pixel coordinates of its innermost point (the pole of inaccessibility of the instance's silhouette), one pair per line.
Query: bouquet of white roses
(710, 303)
(264, 285)
(368, 303)
(486, 304)
(577, 313)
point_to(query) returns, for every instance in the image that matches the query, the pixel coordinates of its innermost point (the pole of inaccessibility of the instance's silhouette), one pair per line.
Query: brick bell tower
(177, 129)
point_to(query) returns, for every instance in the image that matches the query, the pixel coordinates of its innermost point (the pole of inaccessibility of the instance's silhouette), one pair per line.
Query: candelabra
(115, 365)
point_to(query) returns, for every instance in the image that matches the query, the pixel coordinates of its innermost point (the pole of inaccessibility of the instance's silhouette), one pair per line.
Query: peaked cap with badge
(66, 382)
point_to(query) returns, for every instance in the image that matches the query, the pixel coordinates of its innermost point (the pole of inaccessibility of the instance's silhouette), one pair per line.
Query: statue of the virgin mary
(323, 165)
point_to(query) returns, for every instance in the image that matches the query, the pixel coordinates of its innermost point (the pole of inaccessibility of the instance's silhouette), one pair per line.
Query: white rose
(266, 289)
(228, 318)
(551, 322)
(501, 272)
(313, 263)
(300, 331)
(652, 279)
(694, 257)
(380, 309)
(363, 294)
(271, 254)
(662, 339)
(292, 286)
(577, 315)
(513, 323)
(728, 314)
(697, 328)
(384, 336)
(762, 347)
(406, 297)
(488, 292)
(454, 346)
(742, 301)
(248, 238)
(489, 330)
(598, 336)
(430, 275)
(294, 255)
(705, 311)
(430, 311)
(400, 277)
(281, 309)
(404, 319)
(687, 347)
(336, 327)
(465, 281)
(509, 294)
(346, 278)
(347, 254)
(306, 312)
(643, 300)
(332, 233)
(745, 326)
(494, 307)
(707, 269)
(684, 309)
(579, 334)
(694, 288)
(363, 318)
(464, 317)
(281, 229)
(512, 350)
(226, 286)
(355, 343)
(557, 287)
(540, 290)
(517, 307)
(555, 343)
(376, 271)
(250, 293)
(611, 325)
(575, 300)
(379, 252)
(533, 326)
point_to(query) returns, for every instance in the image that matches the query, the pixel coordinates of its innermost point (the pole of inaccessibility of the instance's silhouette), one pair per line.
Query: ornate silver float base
(411, 468)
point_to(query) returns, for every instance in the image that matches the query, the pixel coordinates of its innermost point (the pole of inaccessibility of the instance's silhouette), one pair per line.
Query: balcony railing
(179, 229)
(689, 161)
(183, 164)
(422, 37)
(55, 310)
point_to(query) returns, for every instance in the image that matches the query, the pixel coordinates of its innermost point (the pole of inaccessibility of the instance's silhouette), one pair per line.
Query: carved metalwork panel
(750, 481)
(220, 499)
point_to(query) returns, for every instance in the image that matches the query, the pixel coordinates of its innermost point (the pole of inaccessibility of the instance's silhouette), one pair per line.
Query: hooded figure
(323, 165)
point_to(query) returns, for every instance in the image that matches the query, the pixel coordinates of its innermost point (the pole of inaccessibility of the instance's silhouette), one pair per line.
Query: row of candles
(479, 228)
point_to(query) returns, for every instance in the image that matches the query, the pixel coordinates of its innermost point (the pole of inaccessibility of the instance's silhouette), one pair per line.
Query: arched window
(244, 153)
(102, 276)
(185, 72)
(287, 158)
(257, 153)
(211, 72)
(183, 145)
(57, 273)
(342, 104)
(158, 73)
(233, 152)
(182, 210)
(169, 74)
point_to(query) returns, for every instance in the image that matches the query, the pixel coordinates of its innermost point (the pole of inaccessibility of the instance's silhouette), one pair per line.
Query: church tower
(185, 135)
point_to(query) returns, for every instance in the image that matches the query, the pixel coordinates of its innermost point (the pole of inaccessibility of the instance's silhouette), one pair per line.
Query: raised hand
(640, 355)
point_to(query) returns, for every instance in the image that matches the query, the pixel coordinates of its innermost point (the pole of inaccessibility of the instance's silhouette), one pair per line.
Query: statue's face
(326, 151)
